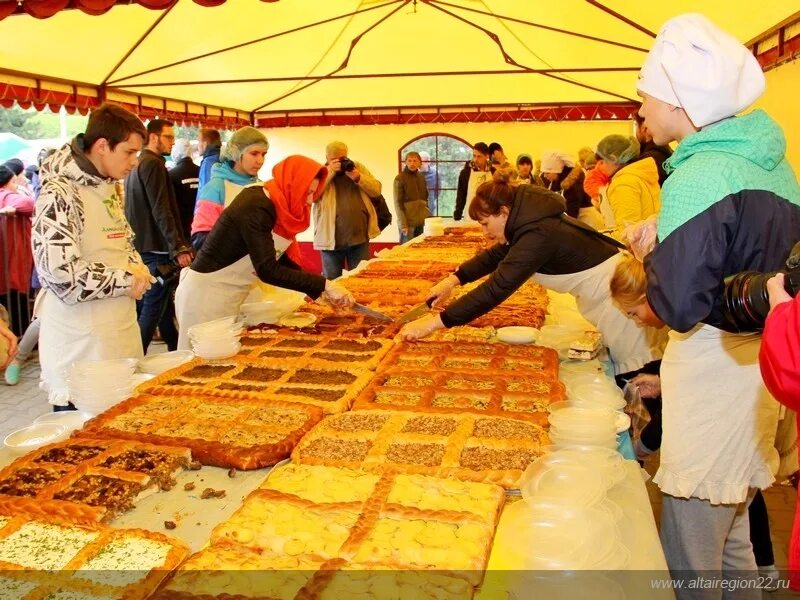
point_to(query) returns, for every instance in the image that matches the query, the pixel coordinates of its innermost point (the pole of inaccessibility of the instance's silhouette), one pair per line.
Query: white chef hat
(702, 69)
(554, 161)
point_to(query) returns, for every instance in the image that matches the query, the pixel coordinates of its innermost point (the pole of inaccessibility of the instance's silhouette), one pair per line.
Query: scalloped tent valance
(293, 62)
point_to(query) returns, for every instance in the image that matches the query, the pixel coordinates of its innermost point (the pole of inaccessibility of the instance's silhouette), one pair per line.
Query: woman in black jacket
(536, 240)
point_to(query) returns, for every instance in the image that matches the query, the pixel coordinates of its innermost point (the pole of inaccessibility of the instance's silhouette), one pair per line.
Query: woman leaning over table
(536, 240)
(254, 239)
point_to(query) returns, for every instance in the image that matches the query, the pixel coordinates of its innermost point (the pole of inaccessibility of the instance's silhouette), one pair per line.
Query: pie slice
(243, 434)
(105, 476)
(65, 560)
(225, 570)
(455, 445)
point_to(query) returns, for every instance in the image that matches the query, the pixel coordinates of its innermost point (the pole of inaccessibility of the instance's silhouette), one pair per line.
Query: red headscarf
(288, 190)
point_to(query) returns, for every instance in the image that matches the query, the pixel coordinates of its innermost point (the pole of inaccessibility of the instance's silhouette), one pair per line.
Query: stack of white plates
(97, 385)
(216, 339)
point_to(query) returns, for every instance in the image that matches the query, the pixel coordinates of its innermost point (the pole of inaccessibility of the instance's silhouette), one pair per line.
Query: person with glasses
(152, 211)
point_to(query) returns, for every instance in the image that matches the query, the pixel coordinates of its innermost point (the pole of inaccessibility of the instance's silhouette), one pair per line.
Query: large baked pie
(333, 388)
(315, 350)
(468, 447)
(393, 520)
(89, 479)
(223, 432)
(52, 558)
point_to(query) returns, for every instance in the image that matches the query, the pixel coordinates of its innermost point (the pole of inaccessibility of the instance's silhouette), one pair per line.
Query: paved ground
(19, 405)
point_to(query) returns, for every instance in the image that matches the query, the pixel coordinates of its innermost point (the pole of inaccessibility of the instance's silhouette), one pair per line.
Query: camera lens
(745, 301)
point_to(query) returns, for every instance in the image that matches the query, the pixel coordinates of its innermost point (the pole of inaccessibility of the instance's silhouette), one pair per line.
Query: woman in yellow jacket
(633, 193)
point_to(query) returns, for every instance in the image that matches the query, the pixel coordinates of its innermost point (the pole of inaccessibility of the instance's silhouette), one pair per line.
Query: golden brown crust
(429, 388)
(332, 388)
(276, 425)
(61, 465)
(481, 448)
(102, 537)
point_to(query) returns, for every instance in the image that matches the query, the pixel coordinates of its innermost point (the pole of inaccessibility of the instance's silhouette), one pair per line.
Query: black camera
(166, 274)
(346, 165)
(745, 301)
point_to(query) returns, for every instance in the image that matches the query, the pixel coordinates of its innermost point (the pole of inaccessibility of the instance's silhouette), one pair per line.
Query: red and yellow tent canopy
(283, 62)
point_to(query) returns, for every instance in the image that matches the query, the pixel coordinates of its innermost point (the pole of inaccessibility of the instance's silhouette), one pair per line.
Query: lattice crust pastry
(459, 446)
(446, 253)
(500, 359)
(349, 325)
(333, 388)
(388, 292)
(51, 558)
(436, 391)
(476, 243)
(464, 333)
(420, 270)
(468, 230)
(315, 350)
(400, 521)
(223, 432)
(528, 306)
(89, 479)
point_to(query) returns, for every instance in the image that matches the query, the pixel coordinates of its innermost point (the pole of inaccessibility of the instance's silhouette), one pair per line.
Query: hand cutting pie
(416, 330)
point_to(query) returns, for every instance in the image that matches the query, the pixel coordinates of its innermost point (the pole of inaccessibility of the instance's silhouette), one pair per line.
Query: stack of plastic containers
(216, 339)
(95, 386)
(566, 521)
(433, 226)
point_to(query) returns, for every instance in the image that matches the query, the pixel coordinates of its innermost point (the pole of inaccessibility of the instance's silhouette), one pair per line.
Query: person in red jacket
(779, 359)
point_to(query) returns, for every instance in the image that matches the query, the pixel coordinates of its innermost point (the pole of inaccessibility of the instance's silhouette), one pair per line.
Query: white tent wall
(377, 146)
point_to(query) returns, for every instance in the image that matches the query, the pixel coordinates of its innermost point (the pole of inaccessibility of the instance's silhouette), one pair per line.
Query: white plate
(623, 422)
(298, 319)
(517, 335)
(70, 419)
(34, 436)
(155, 364)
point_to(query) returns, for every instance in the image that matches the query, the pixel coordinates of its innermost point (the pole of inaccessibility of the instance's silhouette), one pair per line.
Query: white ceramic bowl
(517, 335)
(155, 364)
(34, 436)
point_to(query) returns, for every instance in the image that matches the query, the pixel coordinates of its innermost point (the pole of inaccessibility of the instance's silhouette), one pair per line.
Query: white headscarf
(702, 69)
(554, 161)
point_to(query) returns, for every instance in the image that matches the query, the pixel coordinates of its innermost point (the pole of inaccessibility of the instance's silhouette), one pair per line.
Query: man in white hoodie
(91, 274)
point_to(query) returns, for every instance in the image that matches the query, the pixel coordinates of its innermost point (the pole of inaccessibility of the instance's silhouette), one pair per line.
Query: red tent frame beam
(40, 97)
(452, 114)
(787, 48)
(44, 9)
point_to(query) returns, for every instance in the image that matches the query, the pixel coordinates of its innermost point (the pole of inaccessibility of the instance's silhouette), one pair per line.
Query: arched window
(448, 154)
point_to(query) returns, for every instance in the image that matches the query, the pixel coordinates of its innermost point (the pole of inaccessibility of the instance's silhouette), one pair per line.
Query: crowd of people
(644, 237)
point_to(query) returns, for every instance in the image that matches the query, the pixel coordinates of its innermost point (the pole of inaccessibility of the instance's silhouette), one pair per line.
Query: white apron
(631, 346)
(97, 329)
(202, 297)
(476, 179)
(719, 420)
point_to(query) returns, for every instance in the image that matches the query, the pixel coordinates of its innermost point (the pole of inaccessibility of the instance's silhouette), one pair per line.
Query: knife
(416, 312)
(366, 310)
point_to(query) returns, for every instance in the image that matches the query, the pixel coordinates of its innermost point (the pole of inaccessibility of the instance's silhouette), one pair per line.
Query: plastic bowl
(69, 419)
(155, 364)
(568, 483)
(217, 352)
(34, 436)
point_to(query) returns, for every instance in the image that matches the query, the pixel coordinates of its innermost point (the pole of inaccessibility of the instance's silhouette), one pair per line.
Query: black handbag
(382, 212)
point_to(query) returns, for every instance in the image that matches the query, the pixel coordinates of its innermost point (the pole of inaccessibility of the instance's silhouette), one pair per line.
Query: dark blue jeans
(333, 261)
(412, 233)
(157, 308)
